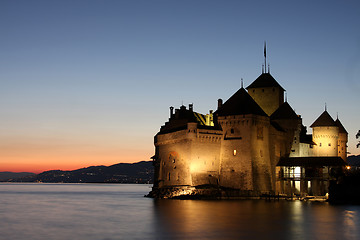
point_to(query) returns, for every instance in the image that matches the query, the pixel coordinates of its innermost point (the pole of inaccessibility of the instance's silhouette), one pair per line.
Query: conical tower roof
(284, 112)
(240, 103)
(324, 120)
(265, 80)
(341, 127)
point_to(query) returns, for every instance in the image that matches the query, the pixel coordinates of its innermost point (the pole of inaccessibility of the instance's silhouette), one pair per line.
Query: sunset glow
(90, 82)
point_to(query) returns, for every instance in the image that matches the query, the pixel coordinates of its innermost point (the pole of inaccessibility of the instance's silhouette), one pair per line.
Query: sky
(90, 82)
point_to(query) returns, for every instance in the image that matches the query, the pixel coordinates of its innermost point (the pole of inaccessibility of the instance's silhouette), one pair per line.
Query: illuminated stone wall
(342, 145)
(326, 139)
(188, 157)
(245, 153)
(236, 152)
(268, 98)
(173, 158)
(205, 156)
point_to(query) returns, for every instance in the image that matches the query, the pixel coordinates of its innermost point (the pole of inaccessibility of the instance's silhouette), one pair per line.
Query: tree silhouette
(358, 136)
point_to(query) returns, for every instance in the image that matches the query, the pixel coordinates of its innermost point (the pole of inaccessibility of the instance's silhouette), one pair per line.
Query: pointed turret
(324, 120)
(342, 141)
(341, 127)
(284, 112)
(286, 117)
(325, 135)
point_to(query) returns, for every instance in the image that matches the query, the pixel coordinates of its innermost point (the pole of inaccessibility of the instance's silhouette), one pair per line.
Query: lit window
(234, 152)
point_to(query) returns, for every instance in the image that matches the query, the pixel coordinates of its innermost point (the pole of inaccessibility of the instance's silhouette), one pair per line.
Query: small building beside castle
(253, 144)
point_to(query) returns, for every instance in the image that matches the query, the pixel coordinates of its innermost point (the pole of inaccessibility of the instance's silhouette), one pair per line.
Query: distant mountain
(14, 175)
(140, 172)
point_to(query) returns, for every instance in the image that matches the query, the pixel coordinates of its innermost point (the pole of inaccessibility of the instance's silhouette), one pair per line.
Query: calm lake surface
(119, 211)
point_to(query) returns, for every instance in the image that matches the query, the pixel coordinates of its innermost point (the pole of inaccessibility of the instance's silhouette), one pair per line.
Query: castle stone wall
(268, 98)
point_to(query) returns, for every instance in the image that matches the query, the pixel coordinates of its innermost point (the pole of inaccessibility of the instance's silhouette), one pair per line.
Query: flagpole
(265, 54)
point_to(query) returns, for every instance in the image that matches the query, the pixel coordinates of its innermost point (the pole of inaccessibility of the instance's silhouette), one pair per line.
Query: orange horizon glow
(37, 160)
(69, 165)
(39, 153)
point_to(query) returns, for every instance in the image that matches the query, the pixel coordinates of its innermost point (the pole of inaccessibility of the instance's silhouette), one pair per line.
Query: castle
(253, 144)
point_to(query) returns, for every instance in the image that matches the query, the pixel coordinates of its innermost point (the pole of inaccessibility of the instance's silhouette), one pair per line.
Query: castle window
(320, 145)
(232, 130)
(329, 144)
(169, 177)
(254, 90)
(234, 152)
(263, 90)
(292, 150)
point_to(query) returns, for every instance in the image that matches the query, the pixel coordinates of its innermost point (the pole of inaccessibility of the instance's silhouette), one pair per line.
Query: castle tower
(244, 155)
(342, 142)
(325, 135)
(267, 92)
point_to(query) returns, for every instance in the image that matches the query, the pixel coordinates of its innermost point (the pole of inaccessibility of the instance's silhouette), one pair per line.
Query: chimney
(191, 107)
(171, 111)
(220, 103)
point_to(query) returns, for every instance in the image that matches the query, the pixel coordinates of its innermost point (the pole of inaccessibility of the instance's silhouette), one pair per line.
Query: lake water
(119, 211)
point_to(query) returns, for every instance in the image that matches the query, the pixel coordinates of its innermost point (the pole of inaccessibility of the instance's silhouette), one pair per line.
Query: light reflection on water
(99, 211)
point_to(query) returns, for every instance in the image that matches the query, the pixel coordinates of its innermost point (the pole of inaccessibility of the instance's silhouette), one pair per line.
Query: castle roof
(265, 80)
(284, 112)
(341, 127)
(324, 120)
(304, 137)
(181, 118)
(240, 103)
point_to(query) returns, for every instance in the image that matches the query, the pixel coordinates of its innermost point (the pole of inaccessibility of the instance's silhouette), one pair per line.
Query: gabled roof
(284, 112)
(324, 120)
(311, 161)
(265, 80)
(240, 103)
(341, 127)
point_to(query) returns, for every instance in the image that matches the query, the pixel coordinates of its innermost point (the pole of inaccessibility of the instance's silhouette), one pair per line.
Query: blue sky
(91, 82)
